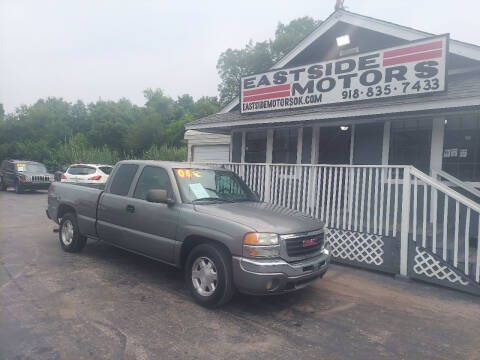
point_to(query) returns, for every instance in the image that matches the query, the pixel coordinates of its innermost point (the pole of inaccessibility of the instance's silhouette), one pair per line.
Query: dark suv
(24, 175)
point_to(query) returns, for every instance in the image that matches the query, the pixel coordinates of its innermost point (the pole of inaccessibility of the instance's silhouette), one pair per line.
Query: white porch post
(269, 154)
(242, 158)
(299, 145)
(405, 221)
(268, 161)
(436, 157)
(315, 141)
(352, 143)
(436, 150)
(386, 142)
(232, 133)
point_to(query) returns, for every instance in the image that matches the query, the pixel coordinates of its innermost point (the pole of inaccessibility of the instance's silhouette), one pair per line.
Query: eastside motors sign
(416, 68)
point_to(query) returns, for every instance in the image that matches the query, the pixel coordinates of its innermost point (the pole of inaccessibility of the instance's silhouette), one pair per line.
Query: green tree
(260, 56)
(57, 132)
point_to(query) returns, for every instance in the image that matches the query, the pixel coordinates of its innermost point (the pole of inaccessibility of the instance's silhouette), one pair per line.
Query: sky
(92, 49)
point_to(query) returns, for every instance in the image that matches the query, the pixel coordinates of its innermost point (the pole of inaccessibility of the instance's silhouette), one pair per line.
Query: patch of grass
(74, 152)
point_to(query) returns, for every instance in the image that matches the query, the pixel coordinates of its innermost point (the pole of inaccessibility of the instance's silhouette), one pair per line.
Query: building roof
(460, 48)
(166, 164)
(196, 137)
(463, 91)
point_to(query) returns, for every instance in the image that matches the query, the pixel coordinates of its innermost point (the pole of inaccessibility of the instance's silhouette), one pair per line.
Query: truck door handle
(130, 208)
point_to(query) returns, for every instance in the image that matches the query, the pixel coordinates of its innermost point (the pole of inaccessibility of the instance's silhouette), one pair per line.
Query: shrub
(164, 152)
(77, 151)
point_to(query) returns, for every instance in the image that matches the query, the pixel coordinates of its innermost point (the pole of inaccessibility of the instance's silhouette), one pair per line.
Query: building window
(256, 146)
(285, 146)
(410, 143)
(334, 145)
(368, 144)
(461, 147)
(307, 145)
(236, 147)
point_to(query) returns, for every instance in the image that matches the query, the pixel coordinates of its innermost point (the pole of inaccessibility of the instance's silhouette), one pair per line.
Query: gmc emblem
(309, 242)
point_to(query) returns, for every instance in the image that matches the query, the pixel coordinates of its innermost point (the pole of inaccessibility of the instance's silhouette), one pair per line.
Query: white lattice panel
(426, 264)
(354, 246)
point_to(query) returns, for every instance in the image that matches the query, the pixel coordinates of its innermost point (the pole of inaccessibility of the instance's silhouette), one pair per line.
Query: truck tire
(18, 188)
(208, 274)
(70, 238)
(3, 186)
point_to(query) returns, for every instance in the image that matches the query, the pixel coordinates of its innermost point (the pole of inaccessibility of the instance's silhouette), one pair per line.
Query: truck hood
(263, 217)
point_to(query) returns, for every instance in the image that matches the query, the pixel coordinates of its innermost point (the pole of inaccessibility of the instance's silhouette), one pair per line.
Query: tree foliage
(55, 131)
(259, 56)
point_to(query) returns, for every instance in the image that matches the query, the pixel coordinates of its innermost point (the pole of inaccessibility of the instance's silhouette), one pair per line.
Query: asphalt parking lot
(105, 303)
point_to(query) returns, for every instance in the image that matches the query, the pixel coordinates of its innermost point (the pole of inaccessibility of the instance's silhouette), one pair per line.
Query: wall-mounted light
(343, 40)
(344, 127)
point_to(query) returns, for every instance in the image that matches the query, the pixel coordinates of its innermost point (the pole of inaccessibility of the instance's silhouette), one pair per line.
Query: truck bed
(84, 198)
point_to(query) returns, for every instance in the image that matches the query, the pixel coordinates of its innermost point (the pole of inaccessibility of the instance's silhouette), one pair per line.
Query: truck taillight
(63, 176)
(96, 177)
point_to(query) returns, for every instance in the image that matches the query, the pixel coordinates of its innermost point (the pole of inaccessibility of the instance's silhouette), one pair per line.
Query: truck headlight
(261, 245)
(260, 239)
(261, 252)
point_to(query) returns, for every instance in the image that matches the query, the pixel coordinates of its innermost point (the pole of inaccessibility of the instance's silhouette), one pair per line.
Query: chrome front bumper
(277, 276)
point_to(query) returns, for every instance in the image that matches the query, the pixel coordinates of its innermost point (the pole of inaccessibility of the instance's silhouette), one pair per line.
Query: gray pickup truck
(203, 219)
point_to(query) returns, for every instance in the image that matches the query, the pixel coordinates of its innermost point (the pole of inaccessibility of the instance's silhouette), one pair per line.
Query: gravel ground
(105, 303)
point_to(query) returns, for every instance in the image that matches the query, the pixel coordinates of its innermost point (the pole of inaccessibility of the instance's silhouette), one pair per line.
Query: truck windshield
(32, 168)
(212, 185)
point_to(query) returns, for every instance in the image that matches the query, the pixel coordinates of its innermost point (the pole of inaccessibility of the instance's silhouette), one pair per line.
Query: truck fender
(199, 233)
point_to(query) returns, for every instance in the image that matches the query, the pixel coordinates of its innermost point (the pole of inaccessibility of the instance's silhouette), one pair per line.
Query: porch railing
(399, 203)
(453, 181)
(347, 197)
(454, 231)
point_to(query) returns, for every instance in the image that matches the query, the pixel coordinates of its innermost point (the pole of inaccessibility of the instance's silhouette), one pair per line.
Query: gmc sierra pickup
(203, 219)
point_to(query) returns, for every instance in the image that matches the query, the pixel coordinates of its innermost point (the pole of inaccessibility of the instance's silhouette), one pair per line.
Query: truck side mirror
(159, 196)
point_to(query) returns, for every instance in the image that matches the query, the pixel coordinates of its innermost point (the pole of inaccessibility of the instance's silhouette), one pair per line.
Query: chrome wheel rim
(204, 276)
(67, 232)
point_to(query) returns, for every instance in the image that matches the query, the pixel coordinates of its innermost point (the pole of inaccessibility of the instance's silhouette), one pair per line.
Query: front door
(113, 211)
(410, 143)
(151, 227)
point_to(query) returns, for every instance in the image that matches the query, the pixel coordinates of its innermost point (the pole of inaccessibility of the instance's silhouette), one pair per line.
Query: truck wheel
(70, 238)
(18, 188)
(208, 274)
(3, 186)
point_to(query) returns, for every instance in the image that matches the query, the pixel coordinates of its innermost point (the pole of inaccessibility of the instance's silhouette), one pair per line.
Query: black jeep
(24, 175)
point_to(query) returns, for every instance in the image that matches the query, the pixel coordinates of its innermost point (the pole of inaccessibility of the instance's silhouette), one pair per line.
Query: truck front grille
(304, 245)
(40, 178)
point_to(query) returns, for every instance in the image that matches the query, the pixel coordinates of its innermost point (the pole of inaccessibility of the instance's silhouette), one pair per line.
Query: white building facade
(398, 171)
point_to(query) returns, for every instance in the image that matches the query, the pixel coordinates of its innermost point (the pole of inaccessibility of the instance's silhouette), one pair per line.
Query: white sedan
(87, 174)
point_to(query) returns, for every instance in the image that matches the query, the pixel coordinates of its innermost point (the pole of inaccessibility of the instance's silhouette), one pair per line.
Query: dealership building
(373, 128)
(360, 90)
